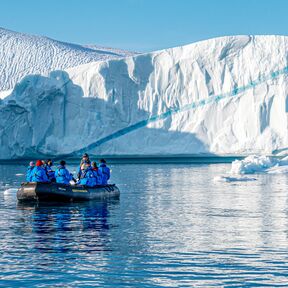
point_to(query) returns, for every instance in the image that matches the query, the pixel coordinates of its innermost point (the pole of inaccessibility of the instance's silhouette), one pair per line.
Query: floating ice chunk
(252, 164)
(233, 179)
(278, 170)
(19, 174)
(283, 161)
(259, 164)
(10, 191)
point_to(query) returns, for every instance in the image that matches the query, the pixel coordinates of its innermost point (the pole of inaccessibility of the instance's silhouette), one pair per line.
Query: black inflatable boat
(32, 191)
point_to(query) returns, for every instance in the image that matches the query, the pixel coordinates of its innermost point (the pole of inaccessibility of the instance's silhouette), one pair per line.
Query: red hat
(39, 163)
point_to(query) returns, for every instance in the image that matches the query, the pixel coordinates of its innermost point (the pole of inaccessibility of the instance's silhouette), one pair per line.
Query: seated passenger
(94, 166)
(38, 174)
(29, 171)
(97, 173)
(85, 159)
(62, 175)
(49, 171)
(81, 169)
(87, 177)
(104, 171)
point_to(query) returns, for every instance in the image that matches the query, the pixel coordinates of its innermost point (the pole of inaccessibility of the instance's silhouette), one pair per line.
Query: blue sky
(143, 25)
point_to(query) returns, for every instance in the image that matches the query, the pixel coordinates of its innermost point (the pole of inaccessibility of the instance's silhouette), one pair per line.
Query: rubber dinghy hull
(37, 191)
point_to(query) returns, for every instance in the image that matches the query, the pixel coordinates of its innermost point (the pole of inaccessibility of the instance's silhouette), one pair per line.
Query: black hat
(94, 164)
(62, 163)
(48, 161)
(85, 155)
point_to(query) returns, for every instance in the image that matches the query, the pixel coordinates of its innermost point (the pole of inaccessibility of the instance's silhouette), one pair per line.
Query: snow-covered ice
(260, 164)
(224, 96)
(22, 54)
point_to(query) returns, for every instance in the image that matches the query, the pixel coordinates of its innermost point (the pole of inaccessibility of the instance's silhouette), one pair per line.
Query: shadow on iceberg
(51, 116)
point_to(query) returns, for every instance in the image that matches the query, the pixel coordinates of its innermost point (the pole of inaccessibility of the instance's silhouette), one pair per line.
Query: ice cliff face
(225, 96)
(22, 54)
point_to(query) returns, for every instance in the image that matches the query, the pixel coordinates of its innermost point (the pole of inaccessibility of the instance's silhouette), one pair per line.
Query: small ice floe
(233, 179)
(10, 191)
(278, 170)
(259, 164)
(19, 174)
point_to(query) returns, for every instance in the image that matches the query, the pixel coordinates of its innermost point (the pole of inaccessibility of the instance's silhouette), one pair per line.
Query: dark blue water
(174, 226)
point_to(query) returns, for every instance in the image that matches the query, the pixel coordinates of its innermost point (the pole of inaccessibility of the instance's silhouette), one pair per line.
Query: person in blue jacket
(29, 171)
(87, 178)
(85, 159)
(38, 174)
(97, 173)
(62, 175)
(104, 171)
(49, 171)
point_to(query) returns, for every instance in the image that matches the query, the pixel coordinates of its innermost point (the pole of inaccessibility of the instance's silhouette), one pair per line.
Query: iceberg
(22, 54)
(224, 96)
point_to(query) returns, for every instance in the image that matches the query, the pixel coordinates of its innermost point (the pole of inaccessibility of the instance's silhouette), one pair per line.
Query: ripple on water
(172, 227)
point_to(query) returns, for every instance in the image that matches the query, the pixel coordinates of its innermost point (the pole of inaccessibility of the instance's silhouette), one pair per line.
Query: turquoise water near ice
(174, 226)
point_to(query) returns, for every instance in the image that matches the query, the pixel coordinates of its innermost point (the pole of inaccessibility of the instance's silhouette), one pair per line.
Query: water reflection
(66, 227)
(173, 227)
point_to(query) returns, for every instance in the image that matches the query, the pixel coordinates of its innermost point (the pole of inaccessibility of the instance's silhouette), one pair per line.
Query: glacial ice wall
(224, 96)
(23, 54)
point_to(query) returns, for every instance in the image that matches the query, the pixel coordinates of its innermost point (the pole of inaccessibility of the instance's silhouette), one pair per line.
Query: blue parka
(79, 171)
(62, 175)
(88, 178)
(38, 174)
(50, 173)
(29, 173)
(105, 173)
(98, 175)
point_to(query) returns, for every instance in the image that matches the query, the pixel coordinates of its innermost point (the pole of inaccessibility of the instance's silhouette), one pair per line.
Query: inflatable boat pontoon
(37, 191)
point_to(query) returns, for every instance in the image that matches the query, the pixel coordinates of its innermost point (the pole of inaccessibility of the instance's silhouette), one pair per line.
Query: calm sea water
(174, 226)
